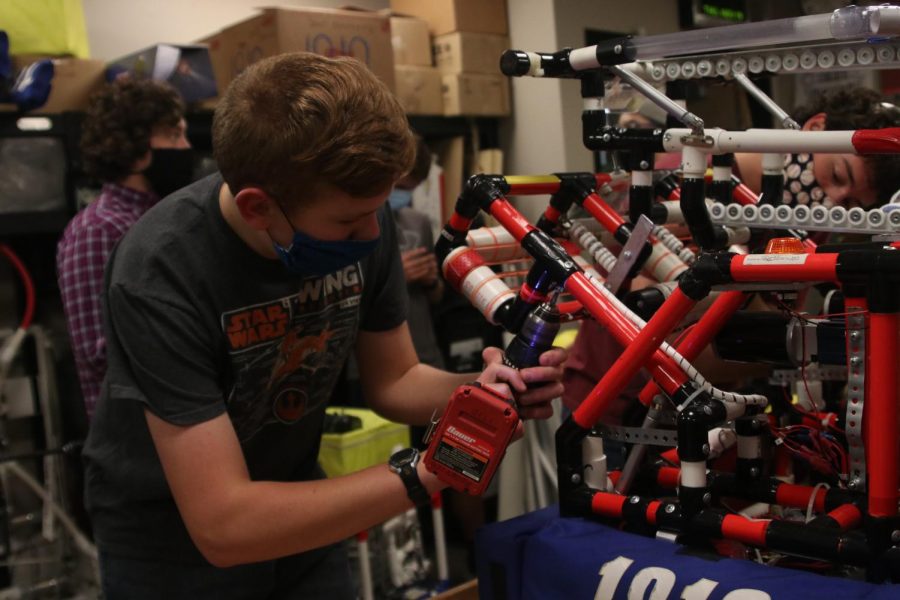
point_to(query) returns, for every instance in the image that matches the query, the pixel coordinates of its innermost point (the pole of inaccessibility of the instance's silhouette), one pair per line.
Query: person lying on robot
(844, 180)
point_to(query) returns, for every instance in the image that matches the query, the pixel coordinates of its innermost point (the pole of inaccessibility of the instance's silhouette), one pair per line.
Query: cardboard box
(362, 35)
(372, 444)
(74, 80)
(463, 52)
(419, 90)
(187, 67)
(475, 94)
(411, 42)
(445, 16)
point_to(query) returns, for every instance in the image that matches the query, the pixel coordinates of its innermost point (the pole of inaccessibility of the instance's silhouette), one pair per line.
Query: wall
(118, 27)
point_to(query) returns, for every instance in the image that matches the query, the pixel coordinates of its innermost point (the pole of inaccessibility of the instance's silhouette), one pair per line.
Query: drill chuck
(534, 338)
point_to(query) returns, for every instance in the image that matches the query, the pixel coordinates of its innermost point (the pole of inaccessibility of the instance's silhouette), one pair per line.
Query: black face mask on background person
(170, 169)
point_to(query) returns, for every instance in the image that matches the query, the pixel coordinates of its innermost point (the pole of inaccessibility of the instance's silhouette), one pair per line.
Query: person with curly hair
(133, 141)
(836, 179)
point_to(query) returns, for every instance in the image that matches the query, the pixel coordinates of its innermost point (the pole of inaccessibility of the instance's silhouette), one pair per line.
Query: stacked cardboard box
(469, 37)
(418, 82)
(359, 34)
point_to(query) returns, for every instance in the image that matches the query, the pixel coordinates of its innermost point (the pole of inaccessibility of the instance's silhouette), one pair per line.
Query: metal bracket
(699, 141)
(638, 435)
(630, 253)
(813, 373)
(856, 391)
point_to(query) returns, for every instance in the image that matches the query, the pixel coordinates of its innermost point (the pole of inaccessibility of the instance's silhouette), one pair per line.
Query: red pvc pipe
(797, 496)
(552, 214)
(881, 413)
(847, 516)
(701, 334)
(511, 219)
(667, 477)
(459, 222)
(784, 267)
(663, 369)
(651, 511)
(742, 529)
(876, 141)
(743, 195)
(607, 505)
(635, 356)
(603, 212)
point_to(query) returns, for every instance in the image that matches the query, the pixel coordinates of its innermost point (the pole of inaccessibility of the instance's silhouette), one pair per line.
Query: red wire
(26, 282)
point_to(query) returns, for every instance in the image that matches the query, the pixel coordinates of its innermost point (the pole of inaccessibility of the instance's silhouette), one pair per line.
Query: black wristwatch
(403, 463)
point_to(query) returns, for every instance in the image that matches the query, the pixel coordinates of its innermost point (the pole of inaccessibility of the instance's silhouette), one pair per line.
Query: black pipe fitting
(597, 135)
(799, 539)
(550, 255)
(448, 240)
(710, 268)
(644, 302)
(696, 216)
(721, 191)
(479, 192)
(862, 265)
(749, 469)
(771, 189)
(517, 63)
(573, 188)
(593, 83)
(695, 421)
(883, 296)
(569, 467)
(668, 516)
(664, 187)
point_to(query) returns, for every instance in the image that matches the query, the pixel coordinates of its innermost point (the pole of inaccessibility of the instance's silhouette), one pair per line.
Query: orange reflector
(785, 245)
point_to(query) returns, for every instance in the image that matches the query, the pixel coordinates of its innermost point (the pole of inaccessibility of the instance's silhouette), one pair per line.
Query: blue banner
(541, 555)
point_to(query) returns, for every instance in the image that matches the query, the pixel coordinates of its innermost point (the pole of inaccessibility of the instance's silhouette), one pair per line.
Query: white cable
(584, 238)
(686, 366)
(587, 240)
(671, 241)
(812, 499)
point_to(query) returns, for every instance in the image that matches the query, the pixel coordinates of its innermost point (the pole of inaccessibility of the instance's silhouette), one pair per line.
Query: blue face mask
(308, 256)
(400, 198)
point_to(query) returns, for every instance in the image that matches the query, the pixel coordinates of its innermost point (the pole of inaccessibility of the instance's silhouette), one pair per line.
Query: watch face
(403, 457)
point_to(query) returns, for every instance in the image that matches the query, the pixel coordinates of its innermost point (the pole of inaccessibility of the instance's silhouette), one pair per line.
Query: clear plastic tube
(851, 22)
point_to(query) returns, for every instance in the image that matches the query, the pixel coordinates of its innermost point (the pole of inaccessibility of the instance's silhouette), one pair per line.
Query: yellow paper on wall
(46, 27)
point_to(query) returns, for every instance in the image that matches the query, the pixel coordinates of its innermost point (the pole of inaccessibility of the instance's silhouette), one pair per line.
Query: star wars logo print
(290, 405)
(256, 325)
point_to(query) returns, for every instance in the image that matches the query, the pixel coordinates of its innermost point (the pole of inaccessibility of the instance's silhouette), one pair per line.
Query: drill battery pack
(471, 438)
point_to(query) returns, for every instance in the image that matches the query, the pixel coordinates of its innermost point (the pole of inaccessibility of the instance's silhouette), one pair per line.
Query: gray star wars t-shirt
(198, 324)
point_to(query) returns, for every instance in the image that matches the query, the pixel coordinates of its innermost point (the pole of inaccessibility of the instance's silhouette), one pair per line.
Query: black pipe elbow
(479, 192)
(696, 216)
(448, 240)
(710, 268)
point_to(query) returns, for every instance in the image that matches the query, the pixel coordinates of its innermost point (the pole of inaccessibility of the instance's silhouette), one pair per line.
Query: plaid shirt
(80, 259)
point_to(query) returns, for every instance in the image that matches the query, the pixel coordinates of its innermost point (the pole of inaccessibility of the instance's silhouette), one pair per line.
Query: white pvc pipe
(693, 474)
(764, 140)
